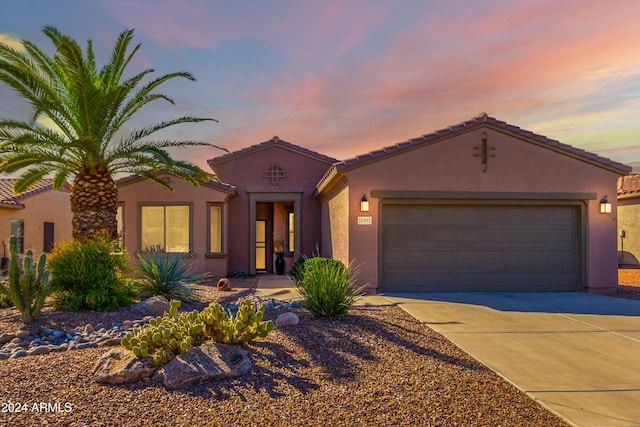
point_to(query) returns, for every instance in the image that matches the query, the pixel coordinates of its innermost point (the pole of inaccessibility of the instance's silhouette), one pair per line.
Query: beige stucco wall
(336, 233)
(629, 221)
(518, 166)
(47, 206)
(131, 195)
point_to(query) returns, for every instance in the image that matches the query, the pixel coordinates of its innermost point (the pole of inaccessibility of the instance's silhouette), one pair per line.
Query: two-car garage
(482, 206)
(463, 246)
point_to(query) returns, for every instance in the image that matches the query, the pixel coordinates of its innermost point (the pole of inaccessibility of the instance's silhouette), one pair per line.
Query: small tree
(27, 289)
(89, 144)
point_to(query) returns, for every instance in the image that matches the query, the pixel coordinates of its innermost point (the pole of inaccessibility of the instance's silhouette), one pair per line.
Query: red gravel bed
(377, 367)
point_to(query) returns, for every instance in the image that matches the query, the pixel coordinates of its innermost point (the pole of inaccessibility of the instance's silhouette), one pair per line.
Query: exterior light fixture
(364, 204)
(605, 206)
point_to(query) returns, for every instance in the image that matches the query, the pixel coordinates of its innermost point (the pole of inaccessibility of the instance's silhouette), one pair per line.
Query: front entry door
(261, 245)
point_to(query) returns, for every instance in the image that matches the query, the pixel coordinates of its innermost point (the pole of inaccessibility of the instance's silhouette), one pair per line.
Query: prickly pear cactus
(165, 337)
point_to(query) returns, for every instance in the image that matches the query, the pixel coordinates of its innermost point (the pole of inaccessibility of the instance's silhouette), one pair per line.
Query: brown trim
(479, 195)
(142, 204)
(14, 206)
(271, 196)
(209, 254)
(628, 196)
(215, 255)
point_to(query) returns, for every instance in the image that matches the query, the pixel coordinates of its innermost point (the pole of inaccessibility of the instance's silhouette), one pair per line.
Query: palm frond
(89, 106)
(29, 178)
(112, 72)
(60, 179)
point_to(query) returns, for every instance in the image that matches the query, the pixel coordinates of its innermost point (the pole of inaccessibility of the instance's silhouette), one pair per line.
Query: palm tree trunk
(94, 204)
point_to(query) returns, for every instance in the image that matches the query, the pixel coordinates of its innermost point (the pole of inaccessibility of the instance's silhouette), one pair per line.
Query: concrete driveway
(577, 354)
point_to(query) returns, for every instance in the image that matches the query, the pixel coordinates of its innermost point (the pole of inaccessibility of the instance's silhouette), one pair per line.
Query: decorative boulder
(119, 366)
(210, 361)
(5, 338)
(110, 342)
(154, 306)
(287, 319)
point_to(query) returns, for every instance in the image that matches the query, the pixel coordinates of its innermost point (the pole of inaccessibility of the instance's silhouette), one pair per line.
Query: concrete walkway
(577, 354)
(278, 287)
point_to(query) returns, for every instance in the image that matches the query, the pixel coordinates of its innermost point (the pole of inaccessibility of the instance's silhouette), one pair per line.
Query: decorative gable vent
(274, 174)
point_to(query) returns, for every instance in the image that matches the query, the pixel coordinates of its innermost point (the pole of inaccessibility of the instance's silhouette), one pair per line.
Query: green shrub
(168, 274)
(88, 275)
(164, 337)
(297, 269)
(27, 289)
(328, 288)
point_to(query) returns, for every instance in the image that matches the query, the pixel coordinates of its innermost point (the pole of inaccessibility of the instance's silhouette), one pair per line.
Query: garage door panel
(479, 247)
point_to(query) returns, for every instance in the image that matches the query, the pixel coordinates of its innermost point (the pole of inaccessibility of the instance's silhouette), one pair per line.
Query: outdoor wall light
(605, 206)
(364, 204)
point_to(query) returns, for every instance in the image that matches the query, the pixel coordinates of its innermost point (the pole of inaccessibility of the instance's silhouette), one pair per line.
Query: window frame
(222, 251)
(19, 238)
(46, 226)
(121, 226)
(165, 204)
(290, 233)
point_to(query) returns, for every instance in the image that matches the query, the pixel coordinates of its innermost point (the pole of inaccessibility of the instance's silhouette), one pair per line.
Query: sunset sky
(349, 76)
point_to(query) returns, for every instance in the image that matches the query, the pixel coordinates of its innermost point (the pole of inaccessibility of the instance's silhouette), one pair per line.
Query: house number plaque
(365, 220)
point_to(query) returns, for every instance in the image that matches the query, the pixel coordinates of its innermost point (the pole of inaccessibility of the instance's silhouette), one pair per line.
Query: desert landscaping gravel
(378, 366)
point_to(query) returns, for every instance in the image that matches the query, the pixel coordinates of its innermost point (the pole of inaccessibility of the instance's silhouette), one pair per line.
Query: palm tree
(87, 108)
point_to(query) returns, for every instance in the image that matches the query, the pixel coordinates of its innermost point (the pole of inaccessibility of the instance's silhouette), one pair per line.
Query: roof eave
(626, 196)
(274, 142)
(14, 206)
(221, 186)
(326, 180)
(610, 165)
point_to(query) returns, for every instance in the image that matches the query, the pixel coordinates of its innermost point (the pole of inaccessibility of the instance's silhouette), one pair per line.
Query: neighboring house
(480, 206)
(629, 221)
(38, 217)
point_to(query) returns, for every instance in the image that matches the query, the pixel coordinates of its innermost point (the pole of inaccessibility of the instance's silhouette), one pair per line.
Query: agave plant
(168, 274)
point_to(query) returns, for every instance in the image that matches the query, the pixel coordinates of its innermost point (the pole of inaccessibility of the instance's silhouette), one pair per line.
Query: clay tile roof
(629, 186)
(275, 141)
(478, 121)
(481, 120)
(8, 197)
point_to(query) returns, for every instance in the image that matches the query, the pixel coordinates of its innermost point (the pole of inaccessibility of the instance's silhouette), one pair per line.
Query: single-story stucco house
(629, 221)
(38, 217)
(479, 206)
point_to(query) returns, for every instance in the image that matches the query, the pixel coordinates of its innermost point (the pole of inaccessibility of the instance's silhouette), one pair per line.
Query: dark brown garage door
(461, 248)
